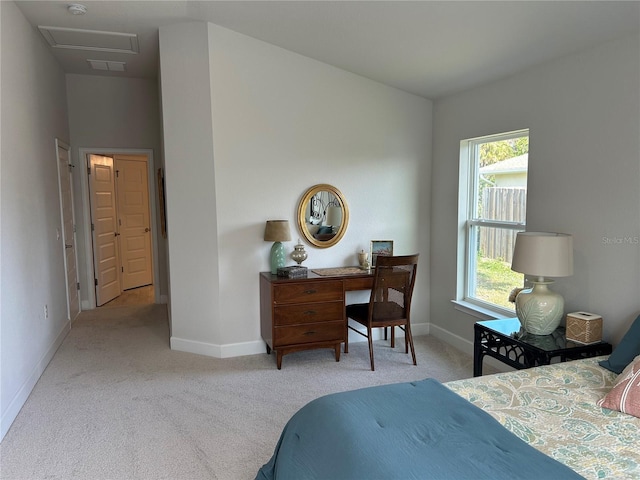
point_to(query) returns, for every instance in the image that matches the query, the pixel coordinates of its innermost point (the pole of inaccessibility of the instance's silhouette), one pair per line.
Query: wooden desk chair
(390, 301)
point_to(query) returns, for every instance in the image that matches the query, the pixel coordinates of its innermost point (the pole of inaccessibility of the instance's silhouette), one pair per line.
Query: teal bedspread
(418, 430)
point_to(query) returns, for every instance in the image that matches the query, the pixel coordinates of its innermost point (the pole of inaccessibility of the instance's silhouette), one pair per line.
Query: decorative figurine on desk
(299, 254)
(363, 260)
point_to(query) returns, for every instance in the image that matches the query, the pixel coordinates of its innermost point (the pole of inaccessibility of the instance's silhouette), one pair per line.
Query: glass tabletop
(510, 327)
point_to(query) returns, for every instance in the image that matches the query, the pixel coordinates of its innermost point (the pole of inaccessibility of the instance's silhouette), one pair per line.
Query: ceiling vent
(107, 65)
(92, 40)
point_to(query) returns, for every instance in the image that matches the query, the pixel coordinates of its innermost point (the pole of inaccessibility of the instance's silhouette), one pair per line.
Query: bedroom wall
(32, 272)
(268, 124)
(583, 112)
(110, 112)
(190, 187)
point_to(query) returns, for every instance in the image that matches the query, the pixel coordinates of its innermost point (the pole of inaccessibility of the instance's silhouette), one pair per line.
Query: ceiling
(430, 48)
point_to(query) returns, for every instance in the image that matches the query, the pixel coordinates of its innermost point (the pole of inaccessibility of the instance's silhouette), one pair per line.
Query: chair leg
(346, 336)
(406, 341)
(370, 347)
(409, 338)
(393, 336)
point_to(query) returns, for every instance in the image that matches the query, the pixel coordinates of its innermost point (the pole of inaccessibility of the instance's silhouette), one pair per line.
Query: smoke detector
(77, 9)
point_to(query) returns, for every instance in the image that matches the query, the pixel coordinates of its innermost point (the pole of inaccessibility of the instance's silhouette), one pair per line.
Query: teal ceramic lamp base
(539, 309)
(277, 257)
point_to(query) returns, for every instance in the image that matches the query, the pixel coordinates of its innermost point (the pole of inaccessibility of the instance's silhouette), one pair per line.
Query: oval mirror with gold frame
(323, 215)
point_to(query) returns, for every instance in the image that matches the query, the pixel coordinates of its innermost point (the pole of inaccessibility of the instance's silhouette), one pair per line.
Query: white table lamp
(541, 255)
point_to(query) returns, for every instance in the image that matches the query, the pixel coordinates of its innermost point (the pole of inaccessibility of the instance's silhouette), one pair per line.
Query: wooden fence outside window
(505, 204)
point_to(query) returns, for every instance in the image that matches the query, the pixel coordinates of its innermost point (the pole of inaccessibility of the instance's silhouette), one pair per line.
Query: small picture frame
(380, 247)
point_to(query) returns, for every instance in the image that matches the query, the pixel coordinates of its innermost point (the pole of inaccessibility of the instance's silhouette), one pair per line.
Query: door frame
(60, 144)
(86, 207)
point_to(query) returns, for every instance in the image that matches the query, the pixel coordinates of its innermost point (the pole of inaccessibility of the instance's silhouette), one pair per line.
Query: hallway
(135, 296)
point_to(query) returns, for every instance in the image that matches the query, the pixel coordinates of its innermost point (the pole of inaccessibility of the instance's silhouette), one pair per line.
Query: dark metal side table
(505, 341)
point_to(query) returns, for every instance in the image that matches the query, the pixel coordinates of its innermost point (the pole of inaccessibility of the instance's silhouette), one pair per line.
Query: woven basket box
(584, 327)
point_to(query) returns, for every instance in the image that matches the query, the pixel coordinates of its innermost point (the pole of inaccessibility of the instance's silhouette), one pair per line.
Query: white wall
(190, 187)
(32, 270)
(276, 123)
(583, 112)
(118, 113)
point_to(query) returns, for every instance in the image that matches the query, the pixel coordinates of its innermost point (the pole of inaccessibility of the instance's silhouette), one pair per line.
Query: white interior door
(65, 187)
(133, 220)
(105, 230)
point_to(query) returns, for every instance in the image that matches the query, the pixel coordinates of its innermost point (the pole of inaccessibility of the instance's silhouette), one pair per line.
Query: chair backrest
(393, 287)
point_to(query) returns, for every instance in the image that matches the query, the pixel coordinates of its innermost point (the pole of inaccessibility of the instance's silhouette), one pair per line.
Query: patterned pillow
(625, 395)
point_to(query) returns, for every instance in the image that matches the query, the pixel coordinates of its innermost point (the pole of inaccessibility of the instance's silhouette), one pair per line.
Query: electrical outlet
(46, 311)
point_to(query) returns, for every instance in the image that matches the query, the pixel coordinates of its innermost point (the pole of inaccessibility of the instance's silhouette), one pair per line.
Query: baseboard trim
(192, 346)
(17, 402)
(258, 346)
(418, 329)
(218, 351)
(454, 340)
(466, 346)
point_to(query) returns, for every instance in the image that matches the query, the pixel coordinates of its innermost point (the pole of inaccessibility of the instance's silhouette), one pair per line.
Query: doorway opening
(120, 235)
(135, 296)
(68, 229)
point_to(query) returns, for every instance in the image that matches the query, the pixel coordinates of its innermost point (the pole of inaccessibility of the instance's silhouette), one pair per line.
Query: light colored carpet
(117, 403)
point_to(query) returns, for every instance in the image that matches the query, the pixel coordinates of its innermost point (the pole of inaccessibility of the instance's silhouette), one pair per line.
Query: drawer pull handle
(310, 292)
(310, 333)
(310, 312)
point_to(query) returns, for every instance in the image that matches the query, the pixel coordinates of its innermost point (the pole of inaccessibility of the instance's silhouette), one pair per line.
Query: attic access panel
(92, 40)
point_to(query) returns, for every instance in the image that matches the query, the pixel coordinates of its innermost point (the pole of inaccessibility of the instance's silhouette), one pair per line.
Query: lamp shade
(277, 231)
(543, 254)
(334, 216)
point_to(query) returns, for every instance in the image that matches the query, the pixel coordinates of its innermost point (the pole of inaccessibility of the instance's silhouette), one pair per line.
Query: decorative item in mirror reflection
(380, 247)
(323, 215)
(325, 211)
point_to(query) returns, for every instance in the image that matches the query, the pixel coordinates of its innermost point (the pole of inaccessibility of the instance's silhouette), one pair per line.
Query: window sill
(481, 313)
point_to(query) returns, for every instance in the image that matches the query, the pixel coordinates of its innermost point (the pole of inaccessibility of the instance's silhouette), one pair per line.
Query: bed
(555, 409)
(543, 422)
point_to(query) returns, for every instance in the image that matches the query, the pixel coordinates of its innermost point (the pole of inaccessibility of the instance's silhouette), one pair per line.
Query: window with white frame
(493, 198)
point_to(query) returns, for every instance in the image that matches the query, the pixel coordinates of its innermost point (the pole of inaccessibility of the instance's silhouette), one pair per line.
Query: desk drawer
(307, 292)
(310, 333)
(308, 313)
(364, 283)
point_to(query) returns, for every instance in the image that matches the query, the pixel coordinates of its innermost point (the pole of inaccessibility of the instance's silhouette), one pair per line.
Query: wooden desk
(304, 313)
